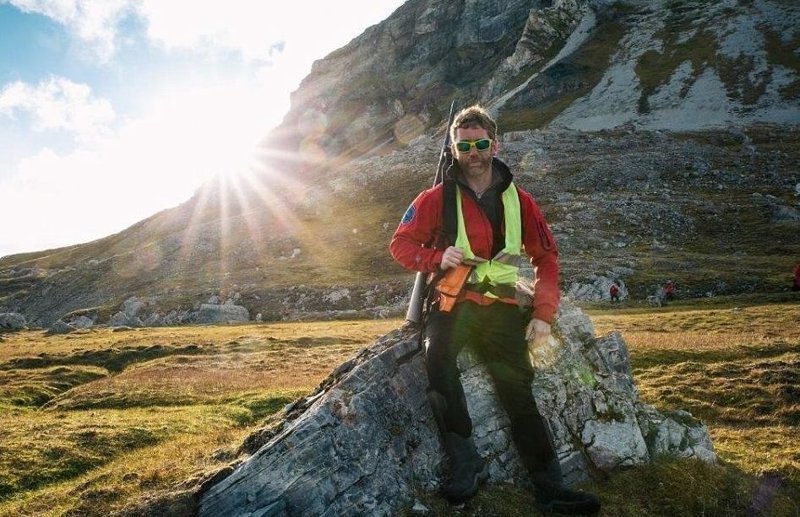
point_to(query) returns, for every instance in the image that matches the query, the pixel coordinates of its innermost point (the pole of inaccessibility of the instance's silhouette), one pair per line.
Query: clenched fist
(452, 257)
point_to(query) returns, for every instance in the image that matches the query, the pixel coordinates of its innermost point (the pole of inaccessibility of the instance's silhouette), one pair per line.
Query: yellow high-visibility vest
(503, 268)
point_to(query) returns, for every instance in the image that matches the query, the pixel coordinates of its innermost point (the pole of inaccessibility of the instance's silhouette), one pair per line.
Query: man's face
(474, 162)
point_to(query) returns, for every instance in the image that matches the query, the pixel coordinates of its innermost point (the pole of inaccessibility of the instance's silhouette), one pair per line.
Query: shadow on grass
(73, 455)
(34, 388)
(642, 359)
(671, 486)
(99, 440)
(734, 389)
(666, 487)
(112, 359)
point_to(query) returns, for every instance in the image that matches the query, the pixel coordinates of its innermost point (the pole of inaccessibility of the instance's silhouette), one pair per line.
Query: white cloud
(151, 162)
(255, 28)
(245, 26)
(95, 22)
(190, 126)
(59, 104)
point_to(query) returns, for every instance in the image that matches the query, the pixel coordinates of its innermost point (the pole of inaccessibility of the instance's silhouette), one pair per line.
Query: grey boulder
(365, 440)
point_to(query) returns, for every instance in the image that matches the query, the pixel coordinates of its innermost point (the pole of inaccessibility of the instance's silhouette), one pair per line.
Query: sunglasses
(464, 146)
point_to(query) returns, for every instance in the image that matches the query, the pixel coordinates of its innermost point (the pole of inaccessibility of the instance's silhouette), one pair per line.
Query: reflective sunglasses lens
(483, 144)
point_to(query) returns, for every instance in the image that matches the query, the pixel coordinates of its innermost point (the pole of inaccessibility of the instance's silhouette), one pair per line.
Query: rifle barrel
(414, 312)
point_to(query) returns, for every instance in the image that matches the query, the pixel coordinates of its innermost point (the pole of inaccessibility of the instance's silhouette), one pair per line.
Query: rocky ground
(716, 211)
(321, 458)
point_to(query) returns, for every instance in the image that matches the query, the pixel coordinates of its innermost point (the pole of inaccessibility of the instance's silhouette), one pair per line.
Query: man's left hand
(539, 331)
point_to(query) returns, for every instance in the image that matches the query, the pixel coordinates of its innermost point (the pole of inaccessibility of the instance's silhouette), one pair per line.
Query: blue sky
(111, 110)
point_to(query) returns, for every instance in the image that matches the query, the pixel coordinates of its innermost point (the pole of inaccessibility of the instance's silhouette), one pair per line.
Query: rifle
(418, 292)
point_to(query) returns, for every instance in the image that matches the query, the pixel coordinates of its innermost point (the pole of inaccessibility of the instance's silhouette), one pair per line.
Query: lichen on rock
(365, 440)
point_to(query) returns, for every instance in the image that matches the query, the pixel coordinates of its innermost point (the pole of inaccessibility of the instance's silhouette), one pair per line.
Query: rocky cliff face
(581, 64)
(388, 85)
(694, 65)
(660, 138)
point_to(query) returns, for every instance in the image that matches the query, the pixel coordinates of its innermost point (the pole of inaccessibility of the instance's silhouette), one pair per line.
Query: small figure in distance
(613, 292)
(669, 290)
(796, 281)
(659, 299)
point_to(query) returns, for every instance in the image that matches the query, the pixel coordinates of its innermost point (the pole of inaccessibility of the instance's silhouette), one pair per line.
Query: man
(669, 290)
(497, 221)
(613, 292)
(796, 280)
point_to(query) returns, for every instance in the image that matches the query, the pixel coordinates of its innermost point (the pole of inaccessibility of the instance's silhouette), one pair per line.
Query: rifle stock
(414, 312)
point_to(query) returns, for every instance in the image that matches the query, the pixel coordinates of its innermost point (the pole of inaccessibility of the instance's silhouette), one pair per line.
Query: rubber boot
(553, 496)
(467, 468)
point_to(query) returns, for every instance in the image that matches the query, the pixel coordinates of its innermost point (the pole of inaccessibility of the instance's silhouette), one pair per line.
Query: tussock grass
(737, 369)
(138, 439)
(35, 387)
(104, 421)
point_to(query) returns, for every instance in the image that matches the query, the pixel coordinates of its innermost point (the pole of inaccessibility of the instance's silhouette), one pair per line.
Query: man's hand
(539, 331)
(452, 257)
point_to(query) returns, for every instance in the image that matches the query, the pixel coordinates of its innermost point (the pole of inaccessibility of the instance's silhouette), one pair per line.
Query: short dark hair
(471, 117)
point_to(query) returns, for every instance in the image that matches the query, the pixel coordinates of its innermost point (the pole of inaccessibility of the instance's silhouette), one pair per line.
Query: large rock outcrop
(227, 312)
(366, 439)
(12, 321)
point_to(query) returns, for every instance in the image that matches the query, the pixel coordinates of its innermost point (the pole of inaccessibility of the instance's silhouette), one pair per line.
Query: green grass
(101, 421)
(35, 387)
(736, 368)
(655, 68)
(82, 439)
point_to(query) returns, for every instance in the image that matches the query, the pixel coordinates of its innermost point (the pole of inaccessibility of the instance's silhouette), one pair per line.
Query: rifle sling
(449, 211)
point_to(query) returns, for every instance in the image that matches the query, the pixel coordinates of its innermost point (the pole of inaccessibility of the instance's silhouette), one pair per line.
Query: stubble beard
(476, 167)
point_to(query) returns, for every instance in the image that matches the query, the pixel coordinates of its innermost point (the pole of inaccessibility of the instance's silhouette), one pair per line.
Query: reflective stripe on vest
(503, 268)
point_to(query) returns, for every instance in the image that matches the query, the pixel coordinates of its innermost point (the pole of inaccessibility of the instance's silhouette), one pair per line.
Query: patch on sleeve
(409, 215)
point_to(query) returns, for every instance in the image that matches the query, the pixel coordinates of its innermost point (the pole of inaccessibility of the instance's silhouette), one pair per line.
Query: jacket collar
(499, 170)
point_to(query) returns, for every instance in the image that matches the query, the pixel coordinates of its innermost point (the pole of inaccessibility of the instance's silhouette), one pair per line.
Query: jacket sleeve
(540, 245)
(417, 230)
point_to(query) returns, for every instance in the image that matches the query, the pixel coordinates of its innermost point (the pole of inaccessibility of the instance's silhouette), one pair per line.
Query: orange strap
(451, 285)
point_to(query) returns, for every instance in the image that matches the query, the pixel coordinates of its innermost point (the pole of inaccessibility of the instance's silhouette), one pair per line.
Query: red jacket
(423, 223)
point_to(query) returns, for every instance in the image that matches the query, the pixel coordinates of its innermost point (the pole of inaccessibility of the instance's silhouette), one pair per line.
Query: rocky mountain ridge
(579, 64)
(689, 171)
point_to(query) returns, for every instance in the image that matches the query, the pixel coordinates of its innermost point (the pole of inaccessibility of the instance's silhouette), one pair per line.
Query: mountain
(660, 138)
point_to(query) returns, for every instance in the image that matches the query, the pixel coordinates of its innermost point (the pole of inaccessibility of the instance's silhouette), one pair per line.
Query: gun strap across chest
(449, 211)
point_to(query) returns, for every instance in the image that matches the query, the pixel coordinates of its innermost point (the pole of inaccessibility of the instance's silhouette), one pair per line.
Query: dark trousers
(496, 335)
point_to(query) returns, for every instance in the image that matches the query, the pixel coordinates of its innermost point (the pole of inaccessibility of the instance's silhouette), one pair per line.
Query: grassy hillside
(103, 421)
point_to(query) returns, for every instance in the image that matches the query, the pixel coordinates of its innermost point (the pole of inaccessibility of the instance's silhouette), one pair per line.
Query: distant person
(498, 222)
(796, 282)
(658, 299)
(669, 290)
(613, 292)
